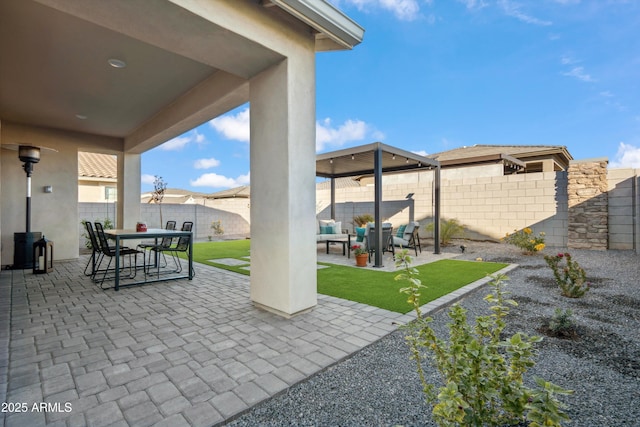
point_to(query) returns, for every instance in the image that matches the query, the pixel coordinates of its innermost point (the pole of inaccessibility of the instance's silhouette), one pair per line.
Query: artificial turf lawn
(379, 289)
(376, 288)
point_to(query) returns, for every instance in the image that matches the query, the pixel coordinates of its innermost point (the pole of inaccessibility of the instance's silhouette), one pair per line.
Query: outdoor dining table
(153, 233)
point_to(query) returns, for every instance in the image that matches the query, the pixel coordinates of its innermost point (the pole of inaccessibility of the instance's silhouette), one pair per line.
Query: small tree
(159, 187)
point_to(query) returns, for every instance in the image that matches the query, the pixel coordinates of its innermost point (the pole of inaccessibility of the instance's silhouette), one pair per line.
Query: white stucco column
(283, 244)
(128, 206)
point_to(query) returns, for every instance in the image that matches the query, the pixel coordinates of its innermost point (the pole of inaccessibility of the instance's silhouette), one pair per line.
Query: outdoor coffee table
(346, 244)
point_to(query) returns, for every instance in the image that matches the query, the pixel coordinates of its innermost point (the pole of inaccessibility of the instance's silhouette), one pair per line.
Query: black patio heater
(23, 242)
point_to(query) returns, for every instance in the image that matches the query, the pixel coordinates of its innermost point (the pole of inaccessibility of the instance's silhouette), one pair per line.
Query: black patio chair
(181, 246)
(164, 243)
(96, 252)
(110, 251)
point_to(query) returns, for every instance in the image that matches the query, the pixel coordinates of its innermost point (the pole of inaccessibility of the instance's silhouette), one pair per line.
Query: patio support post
(436, 211)
(128, 204)
(283, 198)
(377, 172)
(333, 198)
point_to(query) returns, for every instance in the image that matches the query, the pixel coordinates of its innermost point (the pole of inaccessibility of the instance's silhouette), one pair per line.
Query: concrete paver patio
(170, 353)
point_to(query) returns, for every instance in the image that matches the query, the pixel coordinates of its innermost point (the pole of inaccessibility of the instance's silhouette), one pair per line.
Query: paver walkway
(172, 353)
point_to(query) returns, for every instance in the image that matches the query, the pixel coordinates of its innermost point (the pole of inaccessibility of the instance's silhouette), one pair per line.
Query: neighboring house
(97, 177)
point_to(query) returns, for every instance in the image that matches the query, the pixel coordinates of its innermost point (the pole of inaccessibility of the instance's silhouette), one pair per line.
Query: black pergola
(376, 159)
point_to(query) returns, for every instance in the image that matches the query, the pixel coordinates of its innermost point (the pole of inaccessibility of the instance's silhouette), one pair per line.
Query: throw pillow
(400, 232)
(337, 227)
(360, 234)
(326, 229)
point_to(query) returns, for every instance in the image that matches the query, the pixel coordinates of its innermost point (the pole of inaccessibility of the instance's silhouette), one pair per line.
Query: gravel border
(378, 386)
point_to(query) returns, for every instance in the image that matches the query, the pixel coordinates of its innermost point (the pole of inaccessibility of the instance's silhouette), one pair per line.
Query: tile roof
(94, 165)
(517, 151)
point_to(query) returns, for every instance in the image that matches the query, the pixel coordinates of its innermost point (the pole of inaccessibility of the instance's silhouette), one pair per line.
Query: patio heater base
(23, 249)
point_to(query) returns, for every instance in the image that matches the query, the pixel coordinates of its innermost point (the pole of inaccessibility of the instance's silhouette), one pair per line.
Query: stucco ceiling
(53, 61)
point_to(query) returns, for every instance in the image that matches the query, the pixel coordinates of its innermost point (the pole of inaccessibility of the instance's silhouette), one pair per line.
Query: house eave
(329, 21)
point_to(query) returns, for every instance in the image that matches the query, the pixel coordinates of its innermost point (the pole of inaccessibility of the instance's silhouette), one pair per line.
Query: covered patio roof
(377, 159)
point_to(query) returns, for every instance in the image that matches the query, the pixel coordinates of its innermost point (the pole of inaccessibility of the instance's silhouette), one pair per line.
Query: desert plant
(107, 224)
(526, 240)
(561, 324)
(362, 220)
(216, 226)
(449, 229)
(571, 278)
(483, 374)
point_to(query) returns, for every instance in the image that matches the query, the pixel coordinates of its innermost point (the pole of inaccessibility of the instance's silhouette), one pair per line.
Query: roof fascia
(326, 19)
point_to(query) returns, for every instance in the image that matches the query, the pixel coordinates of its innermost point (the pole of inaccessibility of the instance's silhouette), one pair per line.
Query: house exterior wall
(50, 213)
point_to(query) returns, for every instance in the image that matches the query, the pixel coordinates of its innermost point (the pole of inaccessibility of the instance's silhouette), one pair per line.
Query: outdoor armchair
(408, 237)
(370, 239)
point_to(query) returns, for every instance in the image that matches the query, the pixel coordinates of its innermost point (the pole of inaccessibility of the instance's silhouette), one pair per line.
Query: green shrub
(482, 374)
(571, 278)
(449, 229)
(525, 240)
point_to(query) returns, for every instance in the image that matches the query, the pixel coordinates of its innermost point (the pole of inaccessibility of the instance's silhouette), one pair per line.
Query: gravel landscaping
(379, 387)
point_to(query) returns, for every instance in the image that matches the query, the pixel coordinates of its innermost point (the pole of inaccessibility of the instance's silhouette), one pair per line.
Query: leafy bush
(449, 229)
(571, 278)
(525, 240)
(482, 374)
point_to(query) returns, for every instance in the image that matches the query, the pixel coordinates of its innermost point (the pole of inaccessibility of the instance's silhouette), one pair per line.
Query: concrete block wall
(235, 225)
(489, 207)
(623, 206)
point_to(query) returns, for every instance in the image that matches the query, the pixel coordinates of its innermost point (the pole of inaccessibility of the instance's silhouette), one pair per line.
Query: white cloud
(512, 9)
(214, 180)
(351, 130)
(235, 127)
(473, 4)
(404, 10)
(206, 163)
(606, 94)
(179, 142)
(421, 153)
(628, 156)
(147, 179)
(578, 73)
(567, 1)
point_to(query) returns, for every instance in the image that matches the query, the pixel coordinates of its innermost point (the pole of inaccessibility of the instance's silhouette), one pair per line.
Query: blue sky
(433, 75)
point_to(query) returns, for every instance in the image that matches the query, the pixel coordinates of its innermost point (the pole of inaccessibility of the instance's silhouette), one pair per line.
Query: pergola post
(377, 172)
(436, 211)
(333, 198)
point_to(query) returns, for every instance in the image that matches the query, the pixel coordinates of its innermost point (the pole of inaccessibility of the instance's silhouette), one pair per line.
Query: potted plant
(362, 255)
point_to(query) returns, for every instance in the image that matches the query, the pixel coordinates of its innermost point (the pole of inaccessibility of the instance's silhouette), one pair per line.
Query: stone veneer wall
(587, 191)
